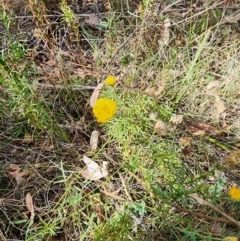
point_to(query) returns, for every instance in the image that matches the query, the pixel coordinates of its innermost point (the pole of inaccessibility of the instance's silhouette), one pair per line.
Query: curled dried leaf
(199, 128)
(93, 171)
(95, 94)
(234, 158)
(94, 140)
(29, 205)
(176, 119)
(219, 107)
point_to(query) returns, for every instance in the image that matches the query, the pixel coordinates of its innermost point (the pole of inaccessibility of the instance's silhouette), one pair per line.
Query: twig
(2, 236)
(58, 15)
(206, 203)
(61, 87)
(221, 220)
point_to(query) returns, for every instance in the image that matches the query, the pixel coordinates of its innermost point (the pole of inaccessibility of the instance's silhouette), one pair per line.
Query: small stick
(61, 87)
(206, 203)
(221, 220)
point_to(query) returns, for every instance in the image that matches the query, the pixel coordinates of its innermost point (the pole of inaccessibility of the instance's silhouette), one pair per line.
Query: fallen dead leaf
(29, 205)
(233, 19)
(149, 90)
(95, 94)
(37, 33)
(219, 107)
(93, 171)
(80, 73)
(199, 128)
(14, 170)
(92, 19)
(27, 138)
(46, 146)
(153, 116)
(185, 141)
(153, 91)
(165, 33)
(51, 63)
(212, 84)
(160, 127)
(19, 176)
(159, 90)
(176, 119)
(217, 228)
(94, 140)
(234, 158)
(107, 5)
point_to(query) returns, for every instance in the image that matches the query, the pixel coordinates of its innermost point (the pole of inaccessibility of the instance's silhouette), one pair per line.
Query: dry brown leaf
(80, 73)
(152, 91)
(107, 5)
(185, 141)
(95, 94)
(46, 146)
(220, 107)
(37, 33)
(93, 171)
(217, 228)
(234, 158)
(149, 90)
(212, 84)
(29, 205)
(176, 119)
(15, 171)
(153, 116)
(27, 138)
(199, 128)
(159, 90)
(94, 140)
(92, 19)
(160, 127)
(51, 63)
(165, 34)
(233, 19)
(86, 73)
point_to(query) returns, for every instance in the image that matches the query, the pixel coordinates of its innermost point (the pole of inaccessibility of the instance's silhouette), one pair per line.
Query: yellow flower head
(234, 193)
(110, 80)
(104, 109)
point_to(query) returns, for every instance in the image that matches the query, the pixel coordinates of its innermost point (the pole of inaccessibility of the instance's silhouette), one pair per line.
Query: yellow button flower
(104, 109)
(234, 193)
(110, 80)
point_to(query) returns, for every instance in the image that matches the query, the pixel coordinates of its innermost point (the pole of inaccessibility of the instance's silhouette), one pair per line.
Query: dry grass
(177, 71)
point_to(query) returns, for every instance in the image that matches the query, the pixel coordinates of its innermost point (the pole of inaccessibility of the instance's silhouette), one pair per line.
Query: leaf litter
(30, 206)
(94, 140)
(93, 171)
(20, 176)
(95, 94)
